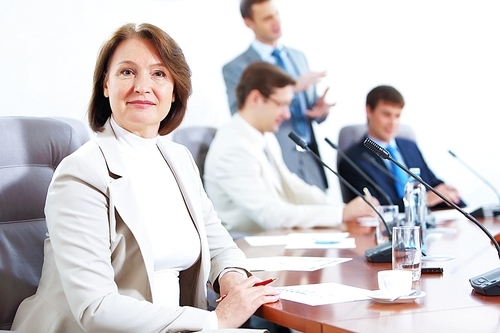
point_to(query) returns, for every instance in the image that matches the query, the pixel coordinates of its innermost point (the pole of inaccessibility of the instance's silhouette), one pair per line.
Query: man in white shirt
(245, 176)
(263, 18)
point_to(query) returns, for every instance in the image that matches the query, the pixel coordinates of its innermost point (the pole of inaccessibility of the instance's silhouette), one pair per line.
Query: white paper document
(286, 263)
(266, 240)
(333, 240)
(306, 240)
(323, 293)
(445, 215)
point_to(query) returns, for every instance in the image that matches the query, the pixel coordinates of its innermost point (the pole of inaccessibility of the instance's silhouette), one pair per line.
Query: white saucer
(442, 231)
(379, 297)
(437, 258)
(368, 221)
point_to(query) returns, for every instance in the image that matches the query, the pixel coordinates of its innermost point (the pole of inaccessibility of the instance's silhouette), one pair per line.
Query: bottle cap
(415, 171)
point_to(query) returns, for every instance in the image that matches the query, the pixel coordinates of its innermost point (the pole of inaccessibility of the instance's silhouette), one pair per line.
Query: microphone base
(486, 211)
(380, 253)
(487, 284)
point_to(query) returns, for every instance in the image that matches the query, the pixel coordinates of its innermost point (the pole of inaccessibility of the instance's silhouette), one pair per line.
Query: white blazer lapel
(122, 197)
(188, 179)
(184, 175)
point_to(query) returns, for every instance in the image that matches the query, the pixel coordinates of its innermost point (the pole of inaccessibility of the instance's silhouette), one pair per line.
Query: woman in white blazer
(133, 238)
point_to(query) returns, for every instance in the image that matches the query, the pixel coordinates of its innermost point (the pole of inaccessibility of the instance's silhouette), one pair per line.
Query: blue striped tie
(399, 175)
(298, 118)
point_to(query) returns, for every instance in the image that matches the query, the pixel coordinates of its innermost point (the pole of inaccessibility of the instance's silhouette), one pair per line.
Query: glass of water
(406, 251)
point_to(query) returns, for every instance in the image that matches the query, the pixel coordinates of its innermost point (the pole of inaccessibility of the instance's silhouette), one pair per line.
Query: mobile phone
(432, 270)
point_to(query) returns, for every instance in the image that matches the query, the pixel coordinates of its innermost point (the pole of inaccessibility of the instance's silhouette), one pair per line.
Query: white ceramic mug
(394, 282)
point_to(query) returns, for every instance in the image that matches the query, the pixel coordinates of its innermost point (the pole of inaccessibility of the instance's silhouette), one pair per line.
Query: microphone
(430, 222)
(372, 160)
(380, 253)
(361, 172)
(481, 211)
(485, 284)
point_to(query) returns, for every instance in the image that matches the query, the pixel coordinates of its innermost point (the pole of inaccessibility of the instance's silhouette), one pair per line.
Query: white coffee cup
(394, 282)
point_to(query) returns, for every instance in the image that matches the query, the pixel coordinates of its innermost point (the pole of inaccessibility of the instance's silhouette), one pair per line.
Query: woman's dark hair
(172, 57)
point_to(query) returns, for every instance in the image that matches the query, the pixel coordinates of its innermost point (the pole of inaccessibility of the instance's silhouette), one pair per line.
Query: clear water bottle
(415, 202)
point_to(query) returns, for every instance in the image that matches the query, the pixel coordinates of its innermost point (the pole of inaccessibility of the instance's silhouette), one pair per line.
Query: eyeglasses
(278, 103)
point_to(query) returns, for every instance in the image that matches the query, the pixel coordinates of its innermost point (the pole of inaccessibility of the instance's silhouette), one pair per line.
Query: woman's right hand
(242, 302)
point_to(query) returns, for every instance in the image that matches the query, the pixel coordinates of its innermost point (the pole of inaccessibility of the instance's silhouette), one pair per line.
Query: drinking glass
(390, 213)
(406, 251)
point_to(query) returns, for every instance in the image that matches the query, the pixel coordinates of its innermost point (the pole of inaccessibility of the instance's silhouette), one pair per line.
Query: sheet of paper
(445, 215)
(266, 240)
(286, 263)
(323, 293)
(327, 239)
(335, 240)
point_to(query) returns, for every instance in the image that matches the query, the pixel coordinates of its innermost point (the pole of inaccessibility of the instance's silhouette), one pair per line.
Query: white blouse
(174, 239)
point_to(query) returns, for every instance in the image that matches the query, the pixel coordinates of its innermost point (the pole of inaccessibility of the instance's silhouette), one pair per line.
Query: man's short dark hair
(261, 76)
(246, 7)
(387, 94)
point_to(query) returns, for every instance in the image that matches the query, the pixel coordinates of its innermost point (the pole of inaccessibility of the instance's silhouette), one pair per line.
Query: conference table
(449, 305)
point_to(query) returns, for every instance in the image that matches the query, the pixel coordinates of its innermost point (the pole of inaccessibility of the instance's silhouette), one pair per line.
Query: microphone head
(376, 148)
(298, 140)
(332, 144)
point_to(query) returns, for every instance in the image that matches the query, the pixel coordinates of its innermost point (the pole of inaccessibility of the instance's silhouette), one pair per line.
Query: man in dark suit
(384, 105)
(262, 17)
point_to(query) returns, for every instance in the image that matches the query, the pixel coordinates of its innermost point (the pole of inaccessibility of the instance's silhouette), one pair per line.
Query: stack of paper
(322, 293)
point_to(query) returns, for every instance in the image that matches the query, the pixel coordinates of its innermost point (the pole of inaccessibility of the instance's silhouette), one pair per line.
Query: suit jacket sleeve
(299, 60)
(232, 72)
(413, 158)
(240, 183)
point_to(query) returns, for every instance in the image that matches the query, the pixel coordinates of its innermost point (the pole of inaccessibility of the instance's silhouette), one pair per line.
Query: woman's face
(139, 87)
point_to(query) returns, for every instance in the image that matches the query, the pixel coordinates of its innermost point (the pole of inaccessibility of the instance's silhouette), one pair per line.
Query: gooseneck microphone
(361, 172)
(380, 253)
(374, 162)
(480, 212)
(486, 284)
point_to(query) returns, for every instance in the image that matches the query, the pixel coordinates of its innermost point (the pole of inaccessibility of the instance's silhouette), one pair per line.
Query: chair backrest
(197, 139)
(351, 134)
(30, 150)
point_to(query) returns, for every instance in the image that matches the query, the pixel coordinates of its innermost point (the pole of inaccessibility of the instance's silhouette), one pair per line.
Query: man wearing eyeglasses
(306, 108)
(245, 176)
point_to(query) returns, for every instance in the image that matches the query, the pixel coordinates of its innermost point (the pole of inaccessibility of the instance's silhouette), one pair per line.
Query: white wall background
(442, 55)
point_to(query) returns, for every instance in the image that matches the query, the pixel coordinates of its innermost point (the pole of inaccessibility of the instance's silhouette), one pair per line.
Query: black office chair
(30, 150)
